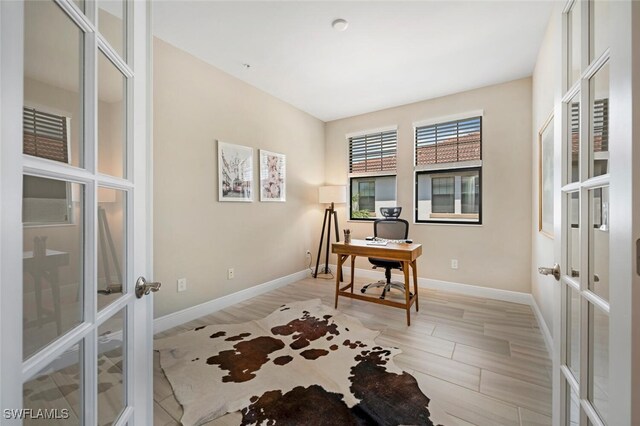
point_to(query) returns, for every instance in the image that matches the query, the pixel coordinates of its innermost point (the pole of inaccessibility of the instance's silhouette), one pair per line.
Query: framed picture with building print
(545, 178)
(235, 172)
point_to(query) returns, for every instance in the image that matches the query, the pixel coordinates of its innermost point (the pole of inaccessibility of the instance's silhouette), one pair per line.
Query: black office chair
(390, 228)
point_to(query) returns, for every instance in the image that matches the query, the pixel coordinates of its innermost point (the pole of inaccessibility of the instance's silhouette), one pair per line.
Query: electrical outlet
(454, 263)
(230, 273)
(182, 284)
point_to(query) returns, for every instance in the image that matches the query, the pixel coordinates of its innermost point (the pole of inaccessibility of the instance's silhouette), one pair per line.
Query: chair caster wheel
(363, 290)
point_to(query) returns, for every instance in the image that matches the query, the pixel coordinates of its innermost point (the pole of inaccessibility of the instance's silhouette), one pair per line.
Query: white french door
(596, 377)
(75, 338)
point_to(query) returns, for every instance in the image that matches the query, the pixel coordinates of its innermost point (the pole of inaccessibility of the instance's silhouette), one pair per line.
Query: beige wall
(197, 237)
(496, 254)
(545, 86)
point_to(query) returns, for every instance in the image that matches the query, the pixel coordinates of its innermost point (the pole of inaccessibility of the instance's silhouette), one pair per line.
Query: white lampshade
(332, 194)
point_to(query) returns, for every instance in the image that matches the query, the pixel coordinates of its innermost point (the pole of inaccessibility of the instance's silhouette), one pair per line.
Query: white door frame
(624, 278)
(10, 194)
(624, 369)
(13, 370)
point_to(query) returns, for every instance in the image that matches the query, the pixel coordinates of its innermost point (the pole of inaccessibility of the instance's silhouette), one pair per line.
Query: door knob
(143, 287)
(555, 271)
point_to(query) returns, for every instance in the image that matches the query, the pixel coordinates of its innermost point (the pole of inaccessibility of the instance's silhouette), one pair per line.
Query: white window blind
(45, 135)
(450, 142)
(375, 152)
(600, 125)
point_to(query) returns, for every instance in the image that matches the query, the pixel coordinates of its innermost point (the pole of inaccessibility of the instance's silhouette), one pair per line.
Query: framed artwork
(235, 172)
(545, 178)
(273, 175)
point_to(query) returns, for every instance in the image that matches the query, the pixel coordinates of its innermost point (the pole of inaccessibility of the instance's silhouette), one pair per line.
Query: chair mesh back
(391, 229)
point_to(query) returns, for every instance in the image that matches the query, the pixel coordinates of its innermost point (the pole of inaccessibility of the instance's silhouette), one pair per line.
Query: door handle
(555, 271)
(143, 287)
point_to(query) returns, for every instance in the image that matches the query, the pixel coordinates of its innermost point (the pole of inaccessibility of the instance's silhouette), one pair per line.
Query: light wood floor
(483, 361)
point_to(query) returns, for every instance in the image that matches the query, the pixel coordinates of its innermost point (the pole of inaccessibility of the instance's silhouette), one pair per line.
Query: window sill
(448, 223)
(461, 216)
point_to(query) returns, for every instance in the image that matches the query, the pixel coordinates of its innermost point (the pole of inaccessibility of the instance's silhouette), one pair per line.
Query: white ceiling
(392, 53)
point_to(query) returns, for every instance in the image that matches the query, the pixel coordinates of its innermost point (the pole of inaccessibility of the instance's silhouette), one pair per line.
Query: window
(367, 194)
(45, 201)
(448, 164)
(372, 168)
(45, 135)
(442, 189)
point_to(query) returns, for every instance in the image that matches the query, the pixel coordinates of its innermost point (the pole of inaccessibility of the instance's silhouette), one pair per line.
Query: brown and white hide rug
(305, 363)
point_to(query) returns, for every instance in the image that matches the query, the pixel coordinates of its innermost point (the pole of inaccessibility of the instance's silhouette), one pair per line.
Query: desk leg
(54, 282)
(353, 271)
(341, 259)
(37, 285)
(414, 265)
(405, 270)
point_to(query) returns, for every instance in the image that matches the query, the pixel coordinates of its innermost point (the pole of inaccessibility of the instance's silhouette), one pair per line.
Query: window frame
(451, 168)
(373, 175)
(451, 171)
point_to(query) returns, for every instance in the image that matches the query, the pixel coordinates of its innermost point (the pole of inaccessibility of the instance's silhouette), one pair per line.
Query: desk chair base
(387, 284)
(387, 287)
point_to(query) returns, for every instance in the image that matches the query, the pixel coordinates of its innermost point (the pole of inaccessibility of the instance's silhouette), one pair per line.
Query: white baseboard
(466, 289)
(546, 333)
(189, 314)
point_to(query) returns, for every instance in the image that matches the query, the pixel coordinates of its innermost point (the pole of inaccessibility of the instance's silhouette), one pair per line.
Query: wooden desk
(403, 253)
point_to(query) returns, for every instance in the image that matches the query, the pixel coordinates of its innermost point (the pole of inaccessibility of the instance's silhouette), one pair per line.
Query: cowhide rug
(305, 363)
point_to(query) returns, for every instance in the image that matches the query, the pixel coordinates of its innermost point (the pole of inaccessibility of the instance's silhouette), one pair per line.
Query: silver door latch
(143, 288)
(555, 271)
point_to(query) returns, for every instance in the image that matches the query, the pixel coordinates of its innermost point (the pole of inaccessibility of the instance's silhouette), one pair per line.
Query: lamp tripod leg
(326, 259)
(324, 224)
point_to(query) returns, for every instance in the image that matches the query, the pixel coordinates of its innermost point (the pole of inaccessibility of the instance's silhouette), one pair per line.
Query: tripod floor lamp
(331, 195)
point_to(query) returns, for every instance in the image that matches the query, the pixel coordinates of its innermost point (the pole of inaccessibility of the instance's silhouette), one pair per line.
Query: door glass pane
(80, 4)
(53, 66)
(111, 245)
(111, 118)
(56, 390)
(599, 242)
(53, 231)
(573, 407)
(599, 117)
(574, 137)
(600, 28)
(599, 360)
(111, 23)
(573, 235)
(574, 21)
(111, 395)
(573, 332)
